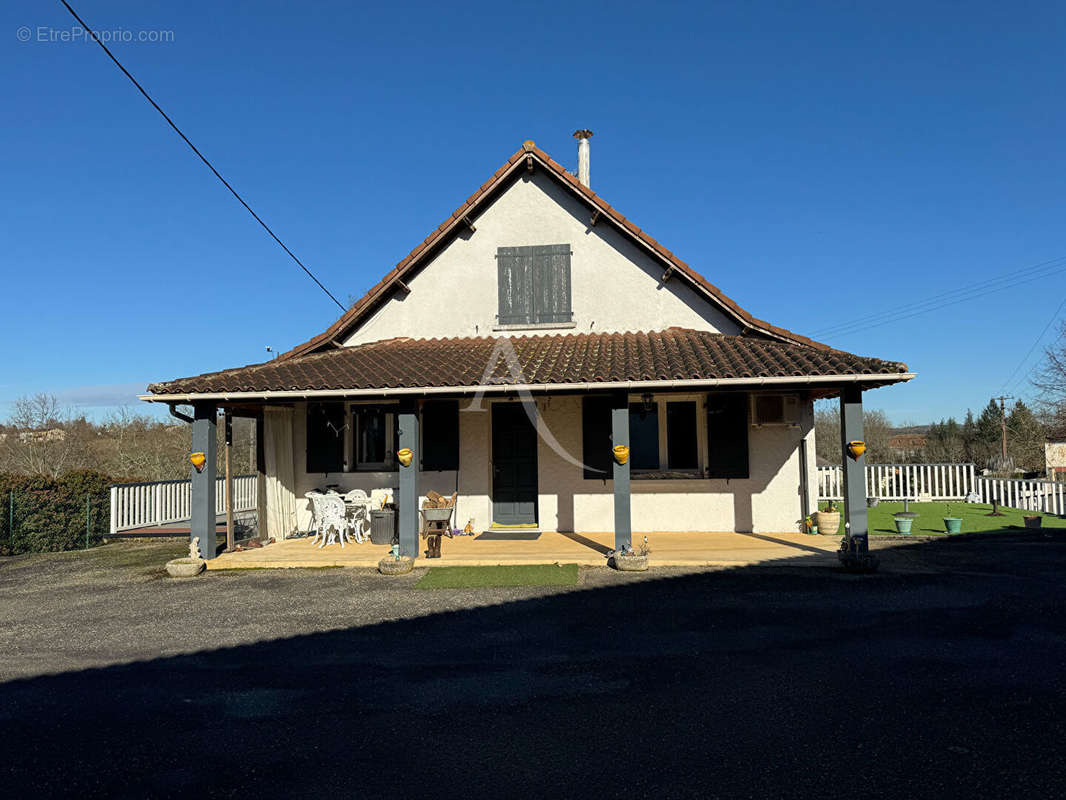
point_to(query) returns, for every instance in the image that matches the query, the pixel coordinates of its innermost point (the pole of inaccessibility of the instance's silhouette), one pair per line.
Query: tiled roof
(534, 156)
(676, 354)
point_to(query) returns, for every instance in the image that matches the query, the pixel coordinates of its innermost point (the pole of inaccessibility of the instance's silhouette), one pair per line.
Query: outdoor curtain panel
(277, 452)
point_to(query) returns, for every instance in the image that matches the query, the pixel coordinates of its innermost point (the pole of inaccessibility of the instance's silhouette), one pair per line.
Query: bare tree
(44, 439)
(876, 430)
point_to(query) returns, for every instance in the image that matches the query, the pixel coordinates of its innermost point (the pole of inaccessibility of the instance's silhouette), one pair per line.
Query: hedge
(49, 513)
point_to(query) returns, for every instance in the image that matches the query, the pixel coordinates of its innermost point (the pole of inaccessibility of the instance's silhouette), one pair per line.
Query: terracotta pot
(828, 522)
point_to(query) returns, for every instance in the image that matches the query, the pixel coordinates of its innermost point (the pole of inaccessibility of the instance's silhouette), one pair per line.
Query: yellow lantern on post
(621, 453)
(198, 460)
(856, 448)
(405, 456)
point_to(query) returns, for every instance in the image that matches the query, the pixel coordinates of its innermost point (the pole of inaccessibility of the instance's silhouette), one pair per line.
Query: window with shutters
(374, 437)
(534, 285)
(596, 441)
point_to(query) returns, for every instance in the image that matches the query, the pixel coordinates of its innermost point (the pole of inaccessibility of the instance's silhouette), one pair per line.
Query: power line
(1036, 342)
(210, 166)
(1031, 273)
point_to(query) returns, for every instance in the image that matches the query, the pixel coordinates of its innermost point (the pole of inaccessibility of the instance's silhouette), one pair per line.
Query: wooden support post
(231, 539)
(854, 549)
(623, 526)
(408, 499)
(202, 520)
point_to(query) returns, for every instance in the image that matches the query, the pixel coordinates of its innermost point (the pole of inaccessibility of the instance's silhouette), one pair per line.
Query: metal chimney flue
(583, 137)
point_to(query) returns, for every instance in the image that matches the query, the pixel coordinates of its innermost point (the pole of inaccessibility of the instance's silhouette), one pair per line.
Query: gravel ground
(943, 673)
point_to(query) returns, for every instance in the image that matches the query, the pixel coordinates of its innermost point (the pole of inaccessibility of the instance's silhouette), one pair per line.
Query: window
(375, 437)
(727, 435)
(682, 446)
(440, 435)
(643, 437)
(325, 437)
(596, 438)
(534, 284)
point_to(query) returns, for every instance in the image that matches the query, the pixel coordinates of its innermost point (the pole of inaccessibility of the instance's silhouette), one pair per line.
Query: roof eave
(873, 381)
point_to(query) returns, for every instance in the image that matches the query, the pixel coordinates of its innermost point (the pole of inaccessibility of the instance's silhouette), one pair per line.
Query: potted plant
(1033, 520)
(630, 560)
(952, 524)
(828, 521)
(903, 523)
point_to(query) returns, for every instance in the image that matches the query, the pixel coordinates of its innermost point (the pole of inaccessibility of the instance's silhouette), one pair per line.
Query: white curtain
(280, 480)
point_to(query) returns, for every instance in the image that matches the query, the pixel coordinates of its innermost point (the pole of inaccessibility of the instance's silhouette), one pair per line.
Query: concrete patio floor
(667, 550)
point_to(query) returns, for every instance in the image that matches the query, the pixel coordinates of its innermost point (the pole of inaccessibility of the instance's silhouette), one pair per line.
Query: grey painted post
(202, 521)
(854, 549)
(408, 500)
(623, 525)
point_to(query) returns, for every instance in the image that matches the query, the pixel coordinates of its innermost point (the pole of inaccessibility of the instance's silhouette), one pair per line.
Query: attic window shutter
(551, 283)
(514, 267)
(534, 284)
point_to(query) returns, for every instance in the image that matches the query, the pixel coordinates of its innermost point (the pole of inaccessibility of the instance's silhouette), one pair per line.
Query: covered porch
(725, 549)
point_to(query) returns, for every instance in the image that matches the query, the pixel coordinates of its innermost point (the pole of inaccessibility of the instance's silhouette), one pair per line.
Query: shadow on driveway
(943, 674)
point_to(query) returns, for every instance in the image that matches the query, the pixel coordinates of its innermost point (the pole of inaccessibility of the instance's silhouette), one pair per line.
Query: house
(532, 333)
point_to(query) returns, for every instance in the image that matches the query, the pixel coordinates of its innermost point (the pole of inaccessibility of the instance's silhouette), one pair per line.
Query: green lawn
(519, 575)
(930, 521)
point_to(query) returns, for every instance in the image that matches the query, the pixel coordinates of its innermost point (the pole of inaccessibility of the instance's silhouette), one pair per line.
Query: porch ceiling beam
(831, 382)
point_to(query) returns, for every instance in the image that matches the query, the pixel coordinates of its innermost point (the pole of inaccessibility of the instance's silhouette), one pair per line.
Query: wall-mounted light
(647, 404)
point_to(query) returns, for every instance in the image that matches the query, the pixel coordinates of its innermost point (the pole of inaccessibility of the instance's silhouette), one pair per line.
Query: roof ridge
(528, 149)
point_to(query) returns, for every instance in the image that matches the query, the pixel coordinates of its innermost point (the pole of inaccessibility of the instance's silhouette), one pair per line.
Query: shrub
(49, 513)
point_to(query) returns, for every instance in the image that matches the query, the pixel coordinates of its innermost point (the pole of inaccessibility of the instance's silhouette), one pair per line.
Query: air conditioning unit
(775, 409)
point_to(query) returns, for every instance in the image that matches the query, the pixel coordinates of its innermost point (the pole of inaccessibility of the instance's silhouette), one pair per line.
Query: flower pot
(629, 562)
(903, 525)
(390, 566)
(828, 522)
(1033, 520)
(185, 567)
(953, 524)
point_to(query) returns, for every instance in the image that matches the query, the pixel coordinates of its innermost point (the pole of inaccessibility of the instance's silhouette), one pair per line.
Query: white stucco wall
(615, 286)
(767, 502)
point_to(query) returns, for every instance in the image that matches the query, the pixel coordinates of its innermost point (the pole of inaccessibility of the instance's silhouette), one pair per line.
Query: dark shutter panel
(514, 270)
(551, 283)
(727, 435)
(440, 435)
(596, 437)
(325, 437)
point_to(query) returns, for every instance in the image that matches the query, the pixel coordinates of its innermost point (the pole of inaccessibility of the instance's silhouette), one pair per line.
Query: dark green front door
(514, 465)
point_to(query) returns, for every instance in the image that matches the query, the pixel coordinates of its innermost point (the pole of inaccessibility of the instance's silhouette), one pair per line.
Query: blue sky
(818, 161)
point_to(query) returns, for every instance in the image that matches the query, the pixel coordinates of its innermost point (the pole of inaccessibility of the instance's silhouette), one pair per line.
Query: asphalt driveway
(942, 674)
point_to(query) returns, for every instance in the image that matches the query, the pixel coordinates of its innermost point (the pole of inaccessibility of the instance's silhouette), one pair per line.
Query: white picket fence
(903, 481)
(141, 505)
(1048, 497)
(942, 482)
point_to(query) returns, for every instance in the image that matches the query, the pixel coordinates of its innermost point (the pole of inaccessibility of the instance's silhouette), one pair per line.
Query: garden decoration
(621, 454)
(903, 522)
(198, 460)
(856, 448)
(191, 565)
(1033, 520)
(629, 560)
(405, 456)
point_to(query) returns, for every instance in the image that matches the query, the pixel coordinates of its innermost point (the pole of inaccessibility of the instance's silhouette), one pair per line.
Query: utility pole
(1003, 398)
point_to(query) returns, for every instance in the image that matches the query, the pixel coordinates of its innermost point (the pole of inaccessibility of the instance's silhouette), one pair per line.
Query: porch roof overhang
(822, 385)
(672, 360)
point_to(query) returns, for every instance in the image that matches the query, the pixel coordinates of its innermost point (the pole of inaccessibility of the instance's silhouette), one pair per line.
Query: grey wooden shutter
(551, 283)
(514, 269)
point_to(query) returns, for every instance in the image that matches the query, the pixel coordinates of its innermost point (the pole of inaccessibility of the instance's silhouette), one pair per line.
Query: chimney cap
(583, 134)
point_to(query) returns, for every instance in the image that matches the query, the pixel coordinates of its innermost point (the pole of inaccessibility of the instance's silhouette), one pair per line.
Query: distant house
(1055, 460)
(532, 333)
(906, 446)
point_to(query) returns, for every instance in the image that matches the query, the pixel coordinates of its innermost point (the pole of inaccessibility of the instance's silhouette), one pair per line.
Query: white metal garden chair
(357, 504)
(330, 518)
